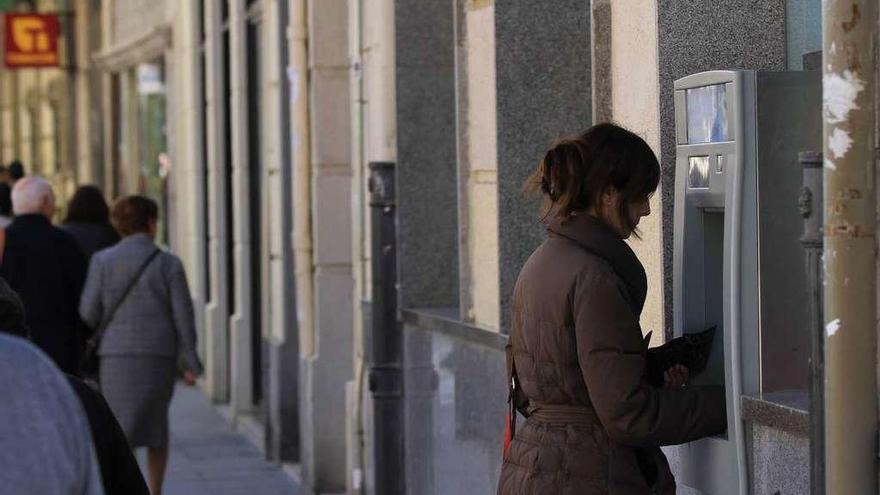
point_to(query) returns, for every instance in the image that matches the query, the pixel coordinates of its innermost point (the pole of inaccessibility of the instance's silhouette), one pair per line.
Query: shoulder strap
(99, 333)
(2, 244)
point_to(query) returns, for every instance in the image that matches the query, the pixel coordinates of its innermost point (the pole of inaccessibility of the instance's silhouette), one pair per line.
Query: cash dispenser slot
(713, 290)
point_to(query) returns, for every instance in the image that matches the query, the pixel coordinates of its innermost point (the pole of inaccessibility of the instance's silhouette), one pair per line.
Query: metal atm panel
(707, 219)
(735, 243)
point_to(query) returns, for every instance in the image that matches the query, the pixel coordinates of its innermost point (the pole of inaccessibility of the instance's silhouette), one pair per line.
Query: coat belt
(566, 414)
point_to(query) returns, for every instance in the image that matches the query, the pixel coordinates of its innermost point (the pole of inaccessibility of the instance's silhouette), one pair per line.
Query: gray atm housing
(738, 263)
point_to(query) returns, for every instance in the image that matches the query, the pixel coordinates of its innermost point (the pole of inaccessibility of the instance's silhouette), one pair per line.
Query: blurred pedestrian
(16, 172)
(88, 221)
(576, 357)
(120, 473)
(47, 447)
(139, 295)
(5, 205)
(45, 265)
(12, 318)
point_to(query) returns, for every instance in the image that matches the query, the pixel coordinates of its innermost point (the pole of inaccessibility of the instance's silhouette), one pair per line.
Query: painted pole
(849, 253)
(386, 359)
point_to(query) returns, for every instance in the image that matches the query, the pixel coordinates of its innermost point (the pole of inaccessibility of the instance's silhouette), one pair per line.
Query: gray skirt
(139, 390)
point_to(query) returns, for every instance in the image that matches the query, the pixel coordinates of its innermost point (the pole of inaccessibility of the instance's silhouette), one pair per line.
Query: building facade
(255, 122)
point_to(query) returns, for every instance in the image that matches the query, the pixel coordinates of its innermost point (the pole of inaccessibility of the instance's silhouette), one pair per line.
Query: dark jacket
(92, 237)
(120, 472)
(47, 268)
(576, 341)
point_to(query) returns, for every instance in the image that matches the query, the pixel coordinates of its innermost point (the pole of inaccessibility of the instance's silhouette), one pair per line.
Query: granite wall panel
(454, 412)
(695, 36)
(427, 182)
(542, 52)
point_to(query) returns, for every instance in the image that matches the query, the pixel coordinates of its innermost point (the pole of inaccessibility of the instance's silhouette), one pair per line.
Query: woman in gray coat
(150, 335)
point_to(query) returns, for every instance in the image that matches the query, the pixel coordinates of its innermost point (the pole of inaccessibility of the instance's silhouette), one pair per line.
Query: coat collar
(32, 219)
(593, 235)
(139, 238)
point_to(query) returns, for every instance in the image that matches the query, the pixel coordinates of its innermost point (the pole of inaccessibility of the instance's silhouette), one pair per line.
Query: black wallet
(690, 350)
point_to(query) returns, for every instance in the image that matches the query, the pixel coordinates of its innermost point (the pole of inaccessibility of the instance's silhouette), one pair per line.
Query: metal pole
(385, 378)
(849, 253)
(811, 210)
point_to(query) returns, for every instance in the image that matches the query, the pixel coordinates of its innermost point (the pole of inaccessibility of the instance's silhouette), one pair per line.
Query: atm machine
(737, 253)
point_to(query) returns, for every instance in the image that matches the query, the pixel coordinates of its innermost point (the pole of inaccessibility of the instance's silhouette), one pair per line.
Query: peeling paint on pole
(839, 143)
(839, 93)
(850, 257)
(832, 327)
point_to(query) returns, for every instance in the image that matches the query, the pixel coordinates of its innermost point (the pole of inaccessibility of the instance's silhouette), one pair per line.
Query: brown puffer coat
(576, 341)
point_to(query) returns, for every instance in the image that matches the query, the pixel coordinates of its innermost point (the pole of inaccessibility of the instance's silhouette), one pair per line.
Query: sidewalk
(209, 458)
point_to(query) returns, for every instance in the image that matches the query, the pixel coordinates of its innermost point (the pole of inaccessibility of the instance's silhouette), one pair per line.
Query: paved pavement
(209, 458)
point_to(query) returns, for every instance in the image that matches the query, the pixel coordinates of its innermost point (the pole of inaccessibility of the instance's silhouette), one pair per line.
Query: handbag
(516, 401)
(90, 363)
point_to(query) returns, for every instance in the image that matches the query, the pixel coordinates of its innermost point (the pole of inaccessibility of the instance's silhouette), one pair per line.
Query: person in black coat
(88, 221)
(120, 473)
(47, 268)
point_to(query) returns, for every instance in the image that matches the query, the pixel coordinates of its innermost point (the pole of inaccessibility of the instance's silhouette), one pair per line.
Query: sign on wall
(31, 40)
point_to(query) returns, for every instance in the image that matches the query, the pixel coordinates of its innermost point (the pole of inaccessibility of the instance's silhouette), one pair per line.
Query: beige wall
(183, 105)
(478, 159)
(134, 19)
(8, 122)
(635, 105)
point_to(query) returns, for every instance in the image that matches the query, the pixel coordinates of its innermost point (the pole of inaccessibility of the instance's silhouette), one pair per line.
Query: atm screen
(707, 114)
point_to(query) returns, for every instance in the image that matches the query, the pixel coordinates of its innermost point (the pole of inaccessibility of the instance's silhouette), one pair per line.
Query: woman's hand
(675, 377)
(189, 378)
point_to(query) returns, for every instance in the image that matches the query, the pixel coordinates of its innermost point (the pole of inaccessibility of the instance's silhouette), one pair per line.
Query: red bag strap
(510, 419)
(2, 244)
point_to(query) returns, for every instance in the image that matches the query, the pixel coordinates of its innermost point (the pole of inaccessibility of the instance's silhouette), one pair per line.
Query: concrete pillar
(374, 138)
(625, 91)
(241, 346)
(328, 368)
(217, 309)
(185, 104)
(282, 373)
(542, 54)
(88, 95)
(110, 131)
(477, 145)
(7, 117)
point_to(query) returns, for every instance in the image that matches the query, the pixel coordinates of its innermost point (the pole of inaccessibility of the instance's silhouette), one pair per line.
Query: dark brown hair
(88, 206)
(132, 214)
(576, 171)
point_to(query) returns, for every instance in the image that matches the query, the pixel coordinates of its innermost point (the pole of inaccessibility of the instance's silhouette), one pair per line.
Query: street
(209, 458)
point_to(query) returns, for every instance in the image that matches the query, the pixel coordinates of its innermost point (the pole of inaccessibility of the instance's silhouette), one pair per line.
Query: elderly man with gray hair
(46, 267)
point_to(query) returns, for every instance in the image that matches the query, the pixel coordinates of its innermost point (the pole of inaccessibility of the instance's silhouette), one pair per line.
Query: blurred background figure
(47, 268)
(88, 220)
(149, 334)
(120, 473)
(47, 447)
(15, 171)
(5, 205)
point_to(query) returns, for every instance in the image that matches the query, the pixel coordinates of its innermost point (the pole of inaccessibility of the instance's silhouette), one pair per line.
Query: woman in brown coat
(594, 423)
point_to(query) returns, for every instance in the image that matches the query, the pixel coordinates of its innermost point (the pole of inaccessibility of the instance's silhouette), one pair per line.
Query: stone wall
(542, 61)
(695, 36)
(134, 19)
